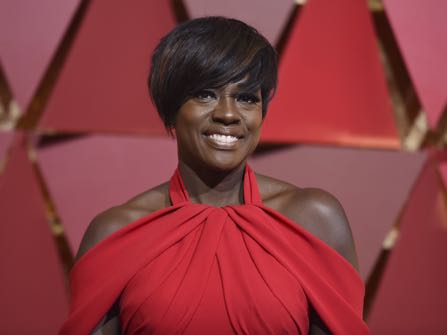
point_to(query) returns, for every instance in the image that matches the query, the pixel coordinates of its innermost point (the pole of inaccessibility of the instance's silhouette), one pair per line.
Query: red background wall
(360, 112)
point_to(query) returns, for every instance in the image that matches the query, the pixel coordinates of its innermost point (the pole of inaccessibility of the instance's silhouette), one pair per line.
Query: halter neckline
(187, 267)
(179, 194)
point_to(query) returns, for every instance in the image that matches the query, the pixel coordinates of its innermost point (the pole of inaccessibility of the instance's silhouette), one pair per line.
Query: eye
(205, 95)
(247, 98)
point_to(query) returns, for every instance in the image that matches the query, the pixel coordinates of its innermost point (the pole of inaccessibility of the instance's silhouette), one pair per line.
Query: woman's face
(219, 128)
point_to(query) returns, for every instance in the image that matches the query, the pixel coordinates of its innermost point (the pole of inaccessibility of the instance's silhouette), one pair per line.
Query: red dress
(198, 269)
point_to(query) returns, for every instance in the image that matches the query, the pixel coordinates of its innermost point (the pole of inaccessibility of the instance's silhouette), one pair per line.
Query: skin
(214, 175)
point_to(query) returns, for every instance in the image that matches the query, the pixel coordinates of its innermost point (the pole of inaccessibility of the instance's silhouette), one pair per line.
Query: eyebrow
(249, 86)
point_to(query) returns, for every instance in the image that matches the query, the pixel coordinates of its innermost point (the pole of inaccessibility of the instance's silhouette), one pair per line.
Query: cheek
(256, 137)
(254, 121)
(254, 125)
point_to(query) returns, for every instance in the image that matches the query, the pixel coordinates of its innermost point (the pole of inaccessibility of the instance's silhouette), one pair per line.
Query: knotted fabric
(198, 269)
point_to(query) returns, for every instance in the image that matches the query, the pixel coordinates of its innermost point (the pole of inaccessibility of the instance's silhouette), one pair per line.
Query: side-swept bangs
(210, 52)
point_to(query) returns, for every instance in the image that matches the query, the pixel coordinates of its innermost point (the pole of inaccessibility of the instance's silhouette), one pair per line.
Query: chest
(238, 289)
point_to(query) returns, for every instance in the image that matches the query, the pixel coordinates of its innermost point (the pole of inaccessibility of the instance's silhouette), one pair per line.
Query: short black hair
(210, 52)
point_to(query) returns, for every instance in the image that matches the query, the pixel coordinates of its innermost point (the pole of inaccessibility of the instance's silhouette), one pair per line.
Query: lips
(222, 140)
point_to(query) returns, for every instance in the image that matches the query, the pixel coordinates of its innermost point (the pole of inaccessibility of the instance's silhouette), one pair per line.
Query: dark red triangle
(331, 84)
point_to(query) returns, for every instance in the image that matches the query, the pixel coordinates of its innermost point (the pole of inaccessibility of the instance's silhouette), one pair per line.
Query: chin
(222, 165)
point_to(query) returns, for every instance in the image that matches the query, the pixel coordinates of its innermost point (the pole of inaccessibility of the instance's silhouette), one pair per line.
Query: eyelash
(204, 95)
(249, 98)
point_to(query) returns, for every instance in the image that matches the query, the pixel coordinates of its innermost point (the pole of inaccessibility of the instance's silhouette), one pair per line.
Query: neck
(213, 188)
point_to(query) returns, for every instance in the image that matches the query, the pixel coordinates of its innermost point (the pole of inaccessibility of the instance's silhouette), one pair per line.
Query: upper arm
(103, 225)
(332, 225)
(316, 325)
(100, 228)
(108, 222)
(110, 324)
(321, 214)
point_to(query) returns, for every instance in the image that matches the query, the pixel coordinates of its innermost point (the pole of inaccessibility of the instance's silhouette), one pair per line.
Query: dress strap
(178, 192)
(251, 190)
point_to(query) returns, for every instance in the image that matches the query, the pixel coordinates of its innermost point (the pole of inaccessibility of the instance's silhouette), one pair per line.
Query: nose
(226, 111)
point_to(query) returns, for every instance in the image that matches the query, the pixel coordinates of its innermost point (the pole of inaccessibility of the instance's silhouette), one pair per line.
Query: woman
(218, 249)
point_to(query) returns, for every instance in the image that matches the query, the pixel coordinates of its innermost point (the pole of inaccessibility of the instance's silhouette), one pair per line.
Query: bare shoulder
(117, 217)
(316, 210)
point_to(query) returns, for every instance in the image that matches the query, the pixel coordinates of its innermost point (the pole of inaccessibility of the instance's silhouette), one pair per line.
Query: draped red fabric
(198, 269)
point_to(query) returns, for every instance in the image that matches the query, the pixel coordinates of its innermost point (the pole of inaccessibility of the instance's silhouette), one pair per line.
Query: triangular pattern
(442, 166)
(270, 17)
(331, 84)
(30, 32)
(88, 175)
(32, 285)
(443, 171)
(420, 29)
(371, 185)
(102, 86)
(412, 298)
(5, 142)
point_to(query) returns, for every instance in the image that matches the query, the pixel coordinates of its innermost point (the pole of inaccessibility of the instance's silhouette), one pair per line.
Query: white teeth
(224, 139)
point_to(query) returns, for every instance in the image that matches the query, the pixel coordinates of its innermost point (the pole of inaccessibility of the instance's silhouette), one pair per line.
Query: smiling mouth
(222, 141)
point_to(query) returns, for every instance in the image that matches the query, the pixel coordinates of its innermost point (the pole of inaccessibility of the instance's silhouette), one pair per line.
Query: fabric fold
(99, 276)
(197, 269)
